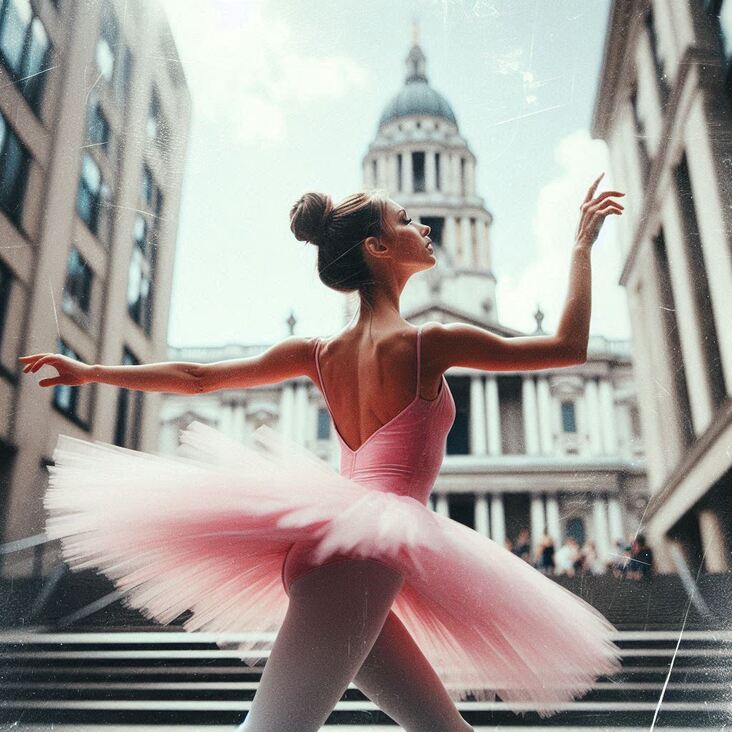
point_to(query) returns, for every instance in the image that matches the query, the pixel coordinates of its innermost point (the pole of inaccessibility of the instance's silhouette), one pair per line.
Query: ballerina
(361, 581)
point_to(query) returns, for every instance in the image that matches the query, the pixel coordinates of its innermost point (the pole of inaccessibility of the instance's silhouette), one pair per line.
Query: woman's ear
(374, 246)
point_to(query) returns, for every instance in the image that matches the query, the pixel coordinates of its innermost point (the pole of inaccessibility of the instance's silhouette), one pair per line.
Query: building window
(569, 423)
(436, 224)
(418, 172)
(93, 195)
(399, 172)
(13, 172)
(723, 10)
(139, 290)
(113, 58)
(77, 289)
(644, 159)
(661, 77)
(725, 27)
(635, 423)
(323, 424)
(374, 173)
(152, 196)
(463, 185)
(97, 127)
(24, 48)
(129, 411)
(124, 76)
(66, 398)
(106, 44)
(157, 130)
(147, 186)
(437, 172)
(6, 282)
(140, 232)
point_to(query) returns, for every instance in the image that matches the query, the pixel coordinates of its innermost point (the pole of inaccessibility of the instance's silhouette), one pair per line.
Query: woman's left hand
(70, 371)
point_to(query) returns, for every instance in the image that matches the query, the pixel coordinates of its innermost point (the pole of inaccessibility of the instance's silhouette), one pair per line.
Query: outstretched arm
(460, 344)
(285, 360)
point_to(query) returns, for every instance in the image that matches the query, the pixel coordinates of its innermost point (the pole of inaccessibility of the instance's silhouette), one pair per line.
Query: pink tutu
(208, 531)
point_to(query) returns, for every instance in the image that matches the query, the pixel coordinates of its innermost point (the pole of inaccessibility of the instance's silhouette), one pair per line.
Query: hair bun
(310, 215)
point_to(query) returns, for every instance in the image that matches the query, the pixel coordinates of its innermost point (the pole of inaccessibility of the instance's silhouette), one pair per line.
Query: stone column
(484, 260)
(466, 242)
(716, 554)
(407, 182)
(493, 415)
(470, 177)
(382, 173)
(528, 404)
(287, 409)
(446, 172)
(593, 416)
(498, 519)
(442, 505)
(449, 240)
(607, 407)
(552, 518)
(538, 521)
(481, 514)
(477, 416)
(429, 171)
(615, 519)
(240, 423)
(227, 419)
(545, 417)
(302, 412)
(456, 178)
(710, 204)
(600, 527)
(583, 427)
(393, 173)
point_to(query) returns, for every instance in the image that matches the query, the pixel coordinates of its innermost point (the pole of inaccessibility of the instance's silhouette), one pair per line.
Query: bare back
(367, 380)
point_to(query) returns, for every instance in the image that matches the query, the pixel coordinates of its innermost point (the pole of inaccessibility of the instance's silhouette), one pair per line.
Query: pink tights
(338, 629)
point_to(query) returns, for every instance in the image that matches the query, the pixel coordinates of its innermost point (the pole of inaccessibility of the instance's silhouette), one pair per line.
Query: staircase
(103, 666)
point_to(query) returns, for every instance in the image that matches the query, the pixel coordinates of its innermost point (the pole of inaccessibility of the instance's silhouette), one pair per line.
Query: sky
(286, 97)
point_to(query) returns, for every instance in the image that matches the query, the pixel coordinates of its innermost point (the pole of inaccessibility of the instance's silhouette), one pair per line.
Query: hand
(71, 372)
(594, 212)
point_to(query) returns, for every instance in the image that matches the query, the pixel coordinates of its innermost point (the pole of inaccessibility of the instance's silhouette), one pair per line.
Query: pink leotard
(403, 456)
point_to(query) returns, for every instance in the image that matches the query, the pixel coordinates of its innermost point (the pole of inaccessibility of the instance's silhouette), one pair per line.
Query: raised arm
(459, 344)
(287, 359)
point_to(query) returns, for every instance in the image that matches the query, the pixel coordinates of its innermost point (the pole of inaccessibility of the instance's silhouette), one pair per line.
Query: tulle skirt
(207, 531)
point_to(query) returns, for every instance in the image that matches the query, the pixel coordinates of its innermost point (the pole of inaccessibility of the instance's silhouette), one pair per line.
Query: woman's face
(408, 240)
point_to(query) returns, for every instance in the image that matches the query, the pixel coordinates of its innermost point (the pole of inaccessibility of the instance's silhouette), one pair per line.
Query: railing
(38, 543)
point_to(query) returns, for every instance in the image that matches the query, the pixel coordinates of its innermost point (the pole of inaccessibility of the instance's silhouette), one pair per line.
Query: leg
(335, 614)
(398, 678)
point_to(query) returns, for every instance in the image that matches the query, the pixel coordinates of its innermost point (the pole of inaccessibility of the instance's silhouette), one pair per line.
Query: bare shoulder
(463, 344)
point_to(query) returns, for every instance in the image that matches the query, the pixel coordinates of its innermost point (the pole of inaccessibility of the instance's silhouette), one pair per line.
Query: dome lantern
(417, 97)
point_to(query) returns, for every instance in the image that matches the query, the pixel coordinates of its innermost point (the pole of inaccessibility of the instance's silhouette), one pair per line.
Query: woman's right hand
(593, 212)
(70, 371)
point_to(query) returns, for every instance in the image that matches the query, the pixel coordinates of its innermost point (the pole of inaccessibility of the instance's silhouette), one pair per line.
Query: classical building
(94, 116)
(664, 106)
(558, 449)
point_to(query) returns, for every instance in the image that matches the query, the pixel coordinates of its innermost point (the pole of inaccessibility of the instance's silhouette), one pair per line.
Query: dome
(417, 96)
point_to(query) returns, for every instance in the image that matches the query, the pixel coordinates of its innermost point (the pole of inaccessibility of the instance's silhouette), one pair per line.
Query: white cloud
(246, 71)
(545, 279)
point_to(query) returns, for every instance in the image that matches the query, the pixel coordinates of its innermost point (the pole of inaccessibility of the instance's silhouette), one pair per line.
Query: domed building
(557, 450)
(420, 158)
